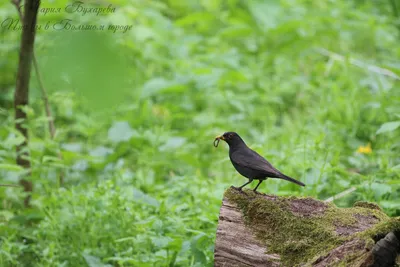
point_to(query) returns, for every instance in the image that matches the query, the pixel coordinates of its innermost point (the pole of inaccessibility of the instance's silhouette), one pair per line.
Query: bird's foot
(238, 189)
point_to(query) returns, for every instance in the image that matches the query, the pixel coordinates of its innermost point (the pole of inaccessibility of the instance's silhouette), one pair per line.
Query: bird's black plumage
(249, 163)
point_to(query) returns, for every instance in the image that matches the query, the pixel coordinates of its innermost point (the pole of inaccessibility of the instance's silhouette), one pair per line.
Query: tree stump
(264, 230)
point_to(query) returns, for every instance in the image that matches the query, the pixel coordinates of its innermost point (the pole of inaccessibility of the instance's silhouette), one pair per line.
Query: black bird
(249, 163)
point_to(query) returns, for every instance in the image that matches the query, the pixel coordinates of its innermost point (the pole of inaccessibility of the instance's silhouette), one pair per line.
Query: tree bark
(371, 239)
(236, 245)
(21, 96)
(52, 127)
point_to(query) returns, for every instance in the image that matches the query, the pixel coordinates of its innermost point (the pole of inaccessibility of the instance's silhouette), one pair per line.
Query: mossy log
(264, 230)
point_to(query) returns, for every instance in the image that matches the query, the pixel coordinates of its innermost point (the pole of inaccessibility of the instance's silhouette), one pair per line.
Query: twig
(358, 63)
(342, 194)
(17, 4)
(52, 127)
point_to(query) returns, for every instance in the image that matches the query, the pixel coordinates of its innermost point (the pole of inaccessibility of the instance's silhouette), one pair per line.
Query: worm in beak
(216, 140)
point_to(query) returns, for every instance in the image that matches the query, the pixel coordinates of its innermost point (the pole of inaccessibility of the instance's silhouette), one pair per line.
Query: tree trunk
(263, 230)
(21, 96)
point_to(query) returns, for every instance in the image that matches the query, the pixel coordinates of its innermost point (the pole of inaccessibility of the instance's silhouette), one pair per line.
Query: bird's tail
(290, 179)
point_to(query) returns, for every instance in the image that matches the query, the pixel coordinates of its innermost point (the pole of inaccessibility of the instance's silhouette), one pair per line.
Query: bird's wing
(248, 158)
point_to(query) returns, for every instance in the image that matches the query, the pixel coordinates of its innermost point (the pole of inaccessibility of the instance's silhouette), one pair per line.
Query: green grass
(136, 115)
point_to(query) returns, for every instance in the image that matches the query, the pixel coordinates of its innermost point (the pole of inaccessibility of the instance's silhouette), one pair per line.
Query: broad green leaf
(100, 151)
(143, 33)
(197, 248)
(10, 167)
(161, 85)
(92, 261)
(380, 189)
(72, 147)
(14, 140)
(390, 204)
(173, 143)
(237, 31)
(388, 127)
(120, 131)
(161, 241)
(396, 168)
(125, 239)
(139, 196)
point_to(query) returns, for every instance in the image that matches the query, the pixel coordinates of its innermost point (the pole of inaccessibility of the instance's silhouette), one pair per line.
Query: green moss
(301, 237)
(368, 205)
(382, 228)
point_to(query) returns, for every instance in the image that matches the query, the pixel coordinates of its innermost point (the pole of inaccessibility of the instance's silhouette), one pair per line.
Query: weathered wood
(236, 245)
(239, 239)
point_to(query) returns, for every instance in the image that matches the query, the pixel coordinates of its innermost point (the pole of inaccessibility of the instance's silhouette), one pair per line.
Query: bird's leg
(255, 189)
(240, 188)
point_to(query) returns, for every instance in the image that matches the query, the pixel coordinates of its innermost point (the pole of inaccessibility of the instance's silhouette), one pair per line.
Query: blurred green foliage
(305, 83)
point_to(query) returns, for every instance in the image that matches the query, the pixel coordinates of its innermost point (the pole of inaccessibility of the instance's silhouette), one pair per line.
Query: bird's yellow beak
(220, 137)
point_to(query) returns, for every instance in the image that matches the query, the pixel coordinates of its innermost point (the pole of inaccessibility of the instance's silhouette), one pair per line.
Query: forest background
(139, 89)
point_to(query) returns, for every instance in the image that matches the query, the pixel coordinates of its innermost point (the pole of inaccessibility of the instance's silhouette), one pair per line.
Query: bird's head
(231, 138)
